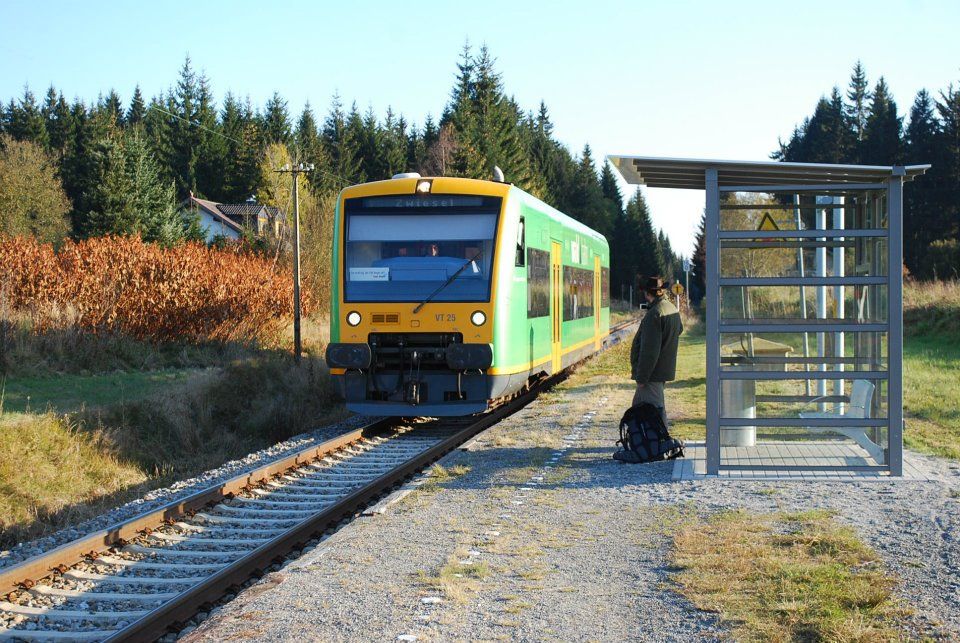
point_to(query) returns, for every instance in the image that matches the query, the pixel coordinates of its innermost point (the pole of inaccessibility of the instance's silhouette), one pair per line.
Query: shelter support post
(839, 297)
(895, 320)
(712, 260)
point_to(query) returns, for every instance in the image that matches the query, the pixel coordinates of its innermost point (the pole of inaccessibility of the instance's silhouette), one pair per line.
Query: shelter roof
(658, 172)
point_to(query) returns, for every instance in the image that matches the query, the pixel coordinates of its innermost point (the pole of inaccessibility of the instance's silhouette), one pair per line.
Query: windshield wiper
(446, 283)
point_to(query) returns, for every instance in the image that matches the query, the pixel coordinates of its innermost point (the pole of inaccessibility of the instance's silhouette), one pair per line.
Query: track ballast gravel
(546, 538)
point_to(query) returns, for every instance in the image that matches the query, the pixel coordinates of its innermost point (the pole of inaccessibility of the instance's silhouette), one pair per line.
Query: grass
(931, 372)
(439, 476)
(136, 430)
(48, 466)
(458, 578)
(68, 392)
(786, 577)
(931, 388)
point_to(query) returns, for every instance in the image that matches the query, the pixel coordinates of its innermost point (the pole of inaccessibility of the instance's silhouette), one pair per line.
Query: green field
(77, 440)
(66, 393)
(931, 388)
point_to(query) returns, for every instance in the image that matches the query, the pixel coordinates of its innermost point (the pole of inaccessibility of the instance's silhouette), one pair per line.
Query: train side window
(538, 283)
(577, 293)
(521, 255)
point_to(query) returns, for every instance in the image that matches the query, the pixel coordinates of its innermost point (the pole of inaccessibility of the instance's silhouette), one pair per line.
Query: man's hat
(655, 285)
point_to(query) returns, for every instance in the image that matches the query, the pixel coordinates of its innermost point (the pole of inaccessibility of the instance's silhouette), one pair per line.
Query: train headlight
(353, 318)
(423, 187)
(478, 318)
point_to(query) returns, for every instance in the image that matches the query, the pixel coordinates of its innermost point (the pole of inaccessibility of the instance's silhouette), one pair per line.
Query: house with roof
(229, 221)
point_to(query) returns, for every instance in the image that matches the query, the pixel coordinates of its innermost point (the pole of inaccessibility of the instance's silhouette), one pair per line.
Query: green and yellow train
(450, 294)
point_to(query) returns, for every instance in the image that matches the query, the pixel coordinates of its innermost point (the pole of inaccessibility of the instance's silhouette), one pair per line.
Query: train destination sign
(403, 201)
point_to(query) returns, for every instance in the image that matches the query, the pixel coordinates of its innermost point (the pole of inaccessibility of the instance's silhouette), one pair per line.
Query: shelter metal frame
(718, 178)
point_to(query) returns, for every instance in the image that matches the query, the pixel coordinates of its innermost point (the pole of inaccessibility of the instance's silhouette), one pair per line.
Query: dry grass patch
(458, 578)
(49, 469)
(533, 573)
(125, 448)
(787, 577)
(439, 476)
(517, 606)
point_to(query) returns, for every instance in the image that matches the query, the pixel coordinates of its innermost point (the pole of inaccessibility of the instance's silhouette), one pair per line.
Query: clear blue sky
(682, 78)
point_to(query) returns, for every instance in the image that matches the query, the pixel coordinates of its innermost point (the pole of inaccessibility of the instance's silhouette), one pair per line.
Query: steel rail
(26, 573)
(160, 620)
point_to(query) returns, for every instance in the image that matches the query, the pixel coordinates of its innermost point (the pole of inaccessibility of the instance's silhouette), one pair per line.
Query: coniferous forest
(125, 163)
(863, 125)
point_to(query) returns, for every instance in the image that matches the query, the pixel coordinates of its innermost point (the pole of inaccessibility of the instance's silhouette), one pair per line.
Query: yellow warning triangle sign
(767, 224)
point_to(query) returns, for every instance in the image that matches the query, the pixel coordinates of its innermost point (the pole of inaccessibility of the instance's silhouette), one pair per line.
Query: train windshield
(402, 248)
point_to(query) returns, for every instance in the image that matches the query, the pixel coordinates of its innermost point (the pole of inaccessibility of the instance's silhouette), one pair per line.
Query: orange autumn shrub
(122, 285)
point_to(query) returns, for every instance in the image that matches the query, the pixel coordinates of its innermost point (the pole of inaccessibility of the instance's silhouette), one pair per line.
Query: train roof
(458, 185)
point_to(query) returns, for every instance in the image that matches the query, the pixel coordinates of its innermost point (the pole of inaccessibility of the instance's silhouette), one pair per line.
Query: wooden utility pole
(295, 171)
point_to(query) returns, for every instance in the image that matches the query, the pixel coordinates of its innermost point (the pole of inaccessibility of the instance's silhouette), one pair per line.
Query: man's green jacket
(653, 356)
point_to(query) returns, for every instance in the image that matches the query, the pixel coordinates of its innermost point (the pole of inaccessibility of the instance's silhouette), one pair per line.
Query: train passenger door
(556, 255)
(596, 303)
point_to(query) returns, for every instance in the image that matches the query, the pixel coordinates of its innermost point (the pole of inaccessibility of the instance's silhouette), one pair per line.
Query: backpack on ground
(644, 437)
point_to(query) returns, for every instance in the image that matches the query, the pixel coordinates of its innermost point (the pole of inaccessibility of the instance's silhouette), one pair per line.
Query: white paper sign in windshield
(370, 274)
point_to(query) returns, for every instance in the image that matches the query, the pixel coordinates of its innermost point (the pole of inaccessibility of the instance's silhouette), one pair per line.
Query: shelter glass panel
(811, 305)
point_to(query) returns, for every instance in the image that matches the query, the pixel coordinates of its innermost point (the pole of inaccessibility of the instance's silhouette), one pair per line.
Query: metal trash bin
(738, 398)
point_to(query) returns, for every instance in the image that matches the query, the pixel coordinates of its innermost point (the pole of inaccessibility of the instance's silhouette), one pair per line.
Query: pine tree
(644, 254)
(192, 149)
(613, 200)
(948, 175)
(276, 121)
(419, 143)
(211, 145)
(922, 132)
(394, 143)
(59, 121)
(24, 120)
(137, 109)
(586, 201)
(112, 107)
(880, 144)
(340, 148)
(244, 149)
(158, 128)
(354, 129)
(82, 167)
(132, 198)
(698, 278)
(367, 132)
(306, 137)
(859, 96)
(669, 260)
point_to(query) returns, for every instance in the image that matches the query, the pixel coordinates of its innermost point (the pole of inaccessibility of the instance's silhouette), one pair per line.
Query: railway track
(139, 579)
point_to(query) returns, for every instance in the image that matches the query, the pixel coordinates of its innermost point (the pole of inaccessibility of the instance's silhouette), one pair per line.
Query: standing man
(653, 355)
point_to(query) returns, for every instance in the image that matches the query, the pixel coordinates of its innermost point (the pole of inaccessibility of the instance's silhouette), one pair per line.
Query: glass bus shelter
(804, 322)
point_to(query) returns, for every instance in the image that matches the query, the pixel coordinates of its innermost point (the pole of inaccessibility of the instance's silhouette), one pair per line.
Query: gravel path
(546, 537)
(181, 489)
